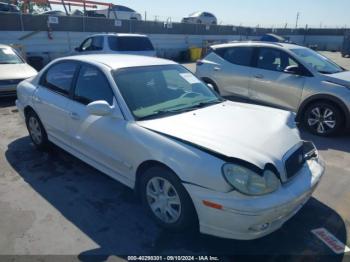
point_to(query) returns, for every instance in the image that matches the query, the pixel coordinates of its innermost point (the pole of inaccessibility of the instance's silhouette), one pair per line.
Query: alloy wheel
(322, 119)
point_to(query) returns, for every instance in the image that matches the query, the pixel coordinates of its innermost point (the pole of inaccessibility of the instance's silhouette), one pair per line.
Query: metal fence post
(21, 21)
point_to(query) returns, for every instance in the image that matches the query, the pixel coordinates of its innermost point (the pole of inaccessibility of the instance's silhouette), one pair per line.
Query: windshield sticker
(190, 78)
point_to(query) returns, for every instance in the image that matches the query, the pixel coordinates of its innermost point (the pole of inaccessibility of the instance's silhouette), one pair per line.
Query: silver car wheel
(35, 130)
(322, 119)
(163, 199)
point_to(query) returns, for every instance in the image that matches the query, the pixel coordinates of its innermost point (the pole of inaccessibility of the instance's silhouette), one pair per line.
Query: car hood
(252, 133)
(342, 78)
(16, 71)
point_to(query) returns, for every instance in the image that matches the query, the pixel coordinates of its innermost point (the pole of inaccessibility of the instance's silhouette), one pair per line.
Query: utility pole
(297, 20)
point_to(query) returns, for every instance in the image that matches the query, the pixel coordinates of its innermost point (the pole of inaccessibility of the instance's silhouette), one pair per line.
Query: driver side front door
(103, 140)
(270, 83)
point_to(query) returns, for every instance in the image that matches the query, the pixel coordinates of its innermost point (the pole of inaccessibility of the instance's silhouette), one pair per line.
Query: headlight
(249, 182)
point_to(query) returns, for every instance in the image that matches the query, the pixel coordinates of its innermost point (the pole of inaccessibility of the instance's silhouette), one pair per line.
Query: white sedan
(235, 170)
(13, 69)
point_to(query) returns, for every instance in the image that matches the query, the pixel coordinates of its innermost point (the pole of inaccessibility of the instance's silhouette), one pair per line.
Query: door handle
(74, 116)
(38, 100)
(216, 68)
(259, 76)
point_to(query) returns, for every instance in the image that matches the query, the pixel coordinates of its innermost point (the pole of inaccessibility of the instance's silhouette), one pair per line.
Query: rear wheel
(323, 119)
(166, 200)
(36, 130)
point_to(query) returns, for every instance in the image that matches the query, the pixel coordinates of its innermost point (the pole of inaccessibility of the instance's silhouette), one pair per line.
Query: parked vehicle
(283, 75)
(273, 38)
(120, 12)
(117, 44)
(92, 13)
(76, 12)
(54, 13)
(200, 18)
(13, 69)
(192, 156)
(345, 52)
(5, 7)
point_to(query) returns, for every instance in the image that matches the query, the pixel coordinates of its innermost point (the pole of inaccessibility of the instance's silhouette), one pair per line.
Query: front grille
(295, 162)
(9, 82)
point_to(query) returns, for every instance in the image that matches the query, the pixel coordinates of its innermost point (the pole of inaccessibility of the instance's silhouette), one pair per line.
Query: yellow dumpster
(195, 53)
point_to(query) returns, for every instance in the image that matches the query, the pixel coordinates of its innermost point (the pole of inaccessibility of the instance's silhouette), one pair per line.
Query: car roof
(117, 61)
(118, 34)
(258, 43)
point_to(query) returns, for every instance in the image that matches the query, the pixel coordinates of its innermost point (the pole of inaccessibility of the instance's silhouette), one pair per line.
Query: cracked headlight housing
(248, 181)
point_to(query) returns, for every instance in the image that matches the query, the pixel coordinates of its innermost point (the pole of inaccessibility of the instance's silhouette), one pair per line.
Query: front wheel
(323, 119)
(166, 200)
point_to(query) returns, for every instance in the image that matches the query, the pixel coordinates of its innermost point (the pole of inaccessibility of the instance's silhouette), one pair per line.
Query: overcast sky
(315, 13)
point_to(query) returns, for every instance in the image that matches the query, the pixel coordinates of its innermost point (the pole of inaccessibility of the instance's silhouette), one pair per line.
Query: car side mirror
(210, 86)
(99, 108)
(293, 69)
(77, 49)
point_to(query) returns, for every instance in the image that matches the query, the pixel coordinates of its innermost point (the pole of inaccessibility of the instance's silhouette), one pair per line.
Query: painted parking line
(330, 240)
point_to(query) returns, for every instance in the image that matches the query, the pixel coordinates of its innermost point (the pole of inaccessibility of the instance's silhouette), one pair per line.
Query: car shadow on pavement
(111, 216)
(339, 143)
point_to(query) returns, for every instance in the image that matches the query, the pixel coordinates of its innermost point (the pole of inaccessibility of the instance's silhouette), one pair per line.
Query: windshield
(319, 62)
(8, 56)
(155, 91)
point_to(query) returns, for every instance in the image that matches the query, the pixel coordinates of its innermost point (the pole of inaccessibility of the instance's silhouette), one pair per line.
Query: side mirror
(77, 49)
(210, 86)
(293, 69)
(99, 108)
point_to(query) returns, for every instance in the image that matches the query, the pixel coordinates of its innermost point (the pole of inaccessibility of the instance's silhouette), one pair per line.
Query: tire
(178, 216)
(36, 131)
(323, 119)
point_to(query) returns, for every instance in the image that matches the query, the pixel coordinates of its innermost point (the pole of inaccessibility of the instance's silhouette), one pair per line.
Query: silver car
(205, 18)
(287, 76)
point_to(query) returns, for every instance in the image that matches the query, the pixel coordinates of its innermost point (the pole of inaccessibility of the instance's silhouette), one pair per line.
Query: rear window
(236, 55)
(130, 43)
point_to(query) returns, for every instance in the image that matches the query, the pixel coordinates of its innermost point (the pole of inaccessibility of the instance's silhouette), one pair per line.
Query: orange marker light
(212, 204)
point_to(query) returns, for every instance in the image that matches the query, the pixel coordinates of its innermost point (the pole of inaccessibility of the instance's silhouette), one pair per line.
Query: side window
(85, 46)
(274, 59)
(92, 85)
(59, 77)
(130, 43)
(237, 55)
(97, 43)
(92, 44)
